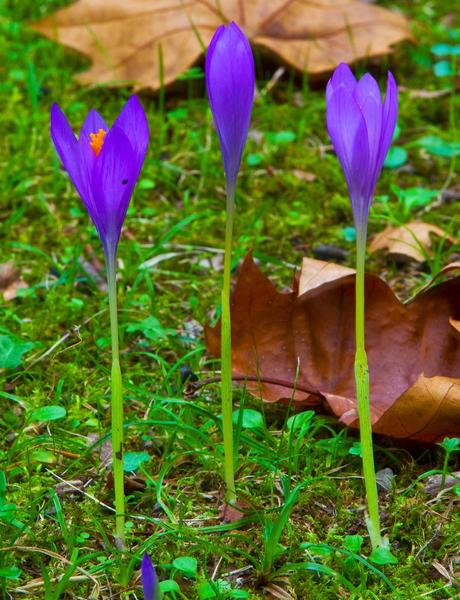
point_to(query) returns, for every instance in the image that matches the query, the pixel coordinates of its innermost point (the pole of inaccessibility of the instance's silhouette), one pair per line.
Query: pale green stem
(117, 404)
(226, 356)
(362, 396)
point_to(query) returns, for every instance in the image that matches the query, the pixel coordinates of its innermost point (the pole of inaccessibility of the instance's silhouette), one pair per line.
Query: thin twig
(194, 386)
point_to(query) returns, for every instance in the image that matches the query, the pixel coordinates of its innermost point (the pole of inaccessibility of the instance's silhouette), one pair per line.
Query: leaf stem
(117, 403)
(226, 355)
(362, 396)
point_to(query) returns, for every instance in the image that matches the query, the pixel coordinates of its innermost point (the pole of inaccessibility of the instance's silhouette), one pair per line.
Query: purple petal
(113, 181)
(342, 76)
(133, 122)
(348, 132)
(92, 124)
(68, 150)
(368, 96)
(149, 579)
(230, 85)
(389, 118)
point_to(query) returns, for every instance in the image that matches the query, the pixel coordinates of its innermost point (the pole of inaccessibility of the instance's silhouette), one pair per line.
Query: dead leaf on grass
(413, 350)
(10, 281)
(125, 39)
(316, 272)
(408, 241)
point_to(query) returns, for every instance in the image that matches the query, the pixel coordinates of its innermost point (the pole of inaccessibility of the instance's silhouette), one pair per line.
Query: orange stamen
(97, 141)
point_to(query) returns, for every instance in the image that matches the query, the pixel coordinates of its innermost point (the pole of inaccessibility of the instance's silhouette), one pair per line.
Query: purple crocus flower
(230, 85)
(149, 579)
(361, 128)
(104, 164)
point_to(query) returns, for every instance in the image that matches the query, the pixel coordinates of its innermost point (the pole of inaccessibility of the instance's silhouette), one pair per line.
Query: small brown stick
(194, 386)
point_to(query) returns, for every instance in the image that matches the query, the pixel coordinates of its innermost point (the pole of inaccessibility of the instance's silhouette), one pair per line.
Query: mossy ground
(61, 538)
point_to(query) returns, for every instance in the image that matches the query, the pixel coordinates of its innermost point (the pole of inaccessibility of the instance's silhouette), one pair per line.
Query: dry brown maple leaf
(125, 39)
(408, 241)
(413, 350)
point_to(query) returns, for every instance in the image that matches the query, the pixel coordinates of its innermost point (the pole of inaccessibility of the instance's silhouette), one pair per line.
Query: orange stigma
(97, 141)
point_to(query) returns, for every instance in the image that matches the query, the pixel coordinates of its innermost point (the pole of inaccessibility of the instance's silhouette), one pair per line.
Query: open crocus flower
(104, 163)
(361, 127)
(149, 579)
(230, 85)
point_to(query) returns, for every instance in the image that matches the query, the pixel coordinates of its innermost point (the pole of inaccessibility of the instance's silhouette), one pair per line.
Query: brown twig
(194, 386)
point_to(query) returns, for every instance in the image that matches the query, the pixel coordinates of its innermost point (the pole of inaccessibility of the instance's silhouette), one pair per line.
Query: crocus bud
(149, 579)
(104, 163)
(361, 128)
(230, 85)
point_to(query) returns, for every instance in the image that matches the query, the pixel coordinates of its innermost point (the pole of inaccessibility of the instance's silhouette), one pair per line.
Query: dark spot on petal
(124, 181)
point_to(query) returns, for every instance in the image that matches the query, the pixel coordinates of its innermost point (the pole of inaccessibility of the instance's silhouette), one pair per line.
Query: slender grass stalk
(117, 403)
(362, 395)
(226, 355)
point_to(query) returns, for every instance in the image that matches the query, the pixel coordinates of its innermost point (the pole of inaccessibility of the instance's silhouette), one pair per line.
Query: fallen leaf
(125, 40)
(305, 344)
(455, 324)
(408, 241)
(230, 513)
(316, 272)
(446, 270)
(10, 281)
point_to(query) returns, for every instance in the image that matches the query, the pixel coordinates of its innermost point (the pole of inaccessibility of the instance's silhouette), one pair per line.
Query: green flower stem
(362, 395)
(117, 405)
(226, 356)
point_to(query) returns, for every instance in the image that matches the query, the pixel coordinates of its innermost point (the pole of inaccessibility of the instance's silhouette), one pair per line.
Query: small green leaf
(11, 351)
(102, 342)
(355, 450)
(396, 157)
(450, 444)
(133, 460)
(414, 197)
(252, 419)
(382, 556)
(353, 543)
(169, 585)
(48, 413)
(146, 184)
(77, 302)
(7, 512)
(10, 572)
(298, 421)
(281, 137)
(178, 114)
(151, 328)
(206, 592)
(435, 145)
(443, 68)
(186, 565)
(43, 456)
(254, 159)
(442, 49)
(348, 234)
